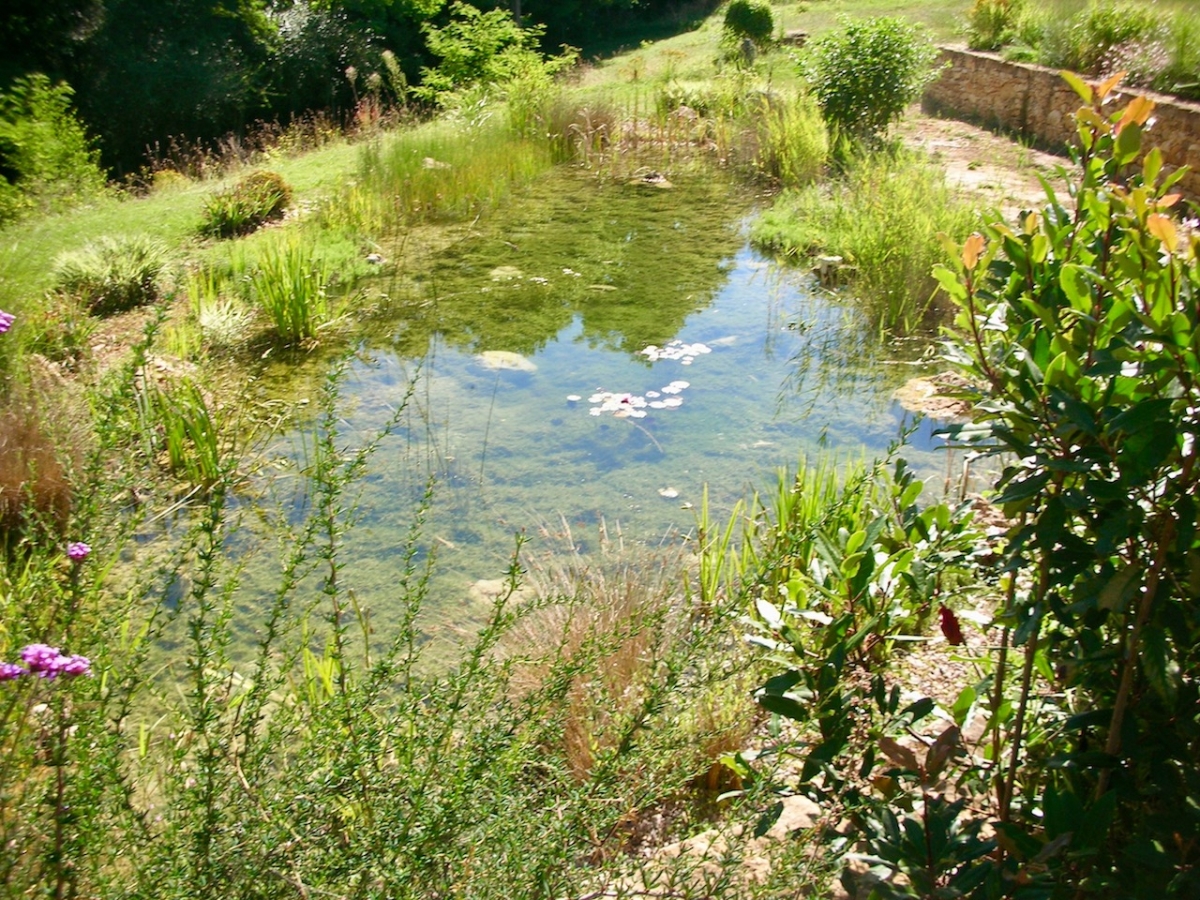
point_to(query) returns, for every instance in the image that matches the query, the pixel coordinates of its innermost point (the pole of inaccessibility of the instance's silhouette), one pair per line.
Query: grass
(111, 274)
(320, 758)
(882, 218)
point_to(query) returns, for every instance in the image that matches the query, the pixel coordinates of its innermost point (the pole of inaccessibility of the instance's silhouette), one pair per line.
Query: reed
(290, 286)
(883, 219)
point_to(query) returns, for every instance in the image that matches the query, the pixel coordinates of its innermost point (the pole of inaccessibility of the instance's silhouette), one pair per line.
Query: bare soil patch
(996, 171)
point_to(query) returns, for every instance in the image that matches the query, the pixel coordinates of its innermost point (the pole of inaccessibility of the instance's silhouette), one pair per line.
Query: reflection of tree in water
(837, 351)
(632, 263)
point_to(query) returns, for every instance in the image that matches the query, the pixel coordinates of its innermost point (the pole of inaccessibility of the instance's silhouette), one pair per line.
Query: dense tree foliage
(148, 72)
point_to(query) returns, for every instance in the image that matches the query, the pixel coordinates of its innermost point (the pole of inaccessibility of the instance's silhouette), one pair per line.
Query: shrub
(992, 23)
(254, 200)
(46, 156)
(866, 74)
(749, 20)
(111, 274)
(1076, 333)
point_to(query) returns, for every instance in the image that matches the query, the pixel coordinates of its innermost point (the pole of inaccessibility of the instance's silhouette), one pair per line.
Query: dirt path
(997, 170)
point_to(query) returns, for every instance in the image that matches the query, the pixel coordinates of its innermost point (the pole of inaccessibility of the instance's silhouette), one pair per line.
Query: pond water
(581, 366)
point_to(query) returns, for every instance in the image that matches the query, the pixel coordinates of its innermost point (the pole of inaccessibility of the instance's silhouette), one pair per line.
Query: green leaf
(962, 705)
(1078, 85)
(1077, 285)
(1119, 589)
(1142, 415)
(1024, 489)
(768, 819)
(1158, 663)
(785, 706)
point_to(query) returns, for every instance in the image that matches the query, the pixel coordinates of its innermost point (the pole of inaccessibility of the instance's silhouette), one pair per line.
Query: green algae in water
(577, 279)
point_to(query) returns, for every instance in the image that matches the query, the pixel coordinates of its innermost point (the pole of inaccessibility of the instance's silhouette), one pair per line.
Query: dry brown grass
(37, 452)
(622, 617)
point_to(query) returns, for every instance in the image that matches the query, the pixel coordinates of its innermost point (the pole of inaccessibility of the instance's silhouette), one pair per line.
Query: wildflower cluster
(6, 321)
(46, 662)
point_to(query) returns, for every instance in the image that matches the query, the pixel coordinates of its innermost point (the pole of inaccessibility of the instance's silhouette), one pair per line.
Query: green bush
(749, 20)
(46, 156)
(484, 49)
(866, 74)
(1077, 335)
(254, 200)
(992, 23)
(111, 274)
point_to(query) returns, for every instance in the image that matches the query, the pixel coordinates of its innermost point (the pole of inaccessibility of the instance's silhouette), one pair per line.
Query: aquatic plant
(882, 219)
(290, 285)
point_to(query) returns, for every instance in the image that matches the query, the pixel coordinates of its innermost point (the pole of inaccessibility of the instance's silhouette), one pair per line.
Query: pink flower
(6, 321)
(9, 671)
(78, 551)
(74, 665)
(42, 658)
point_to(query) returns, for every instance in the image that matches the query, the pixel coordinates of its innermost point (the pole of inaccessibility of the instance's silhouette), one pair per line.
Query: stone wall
(1036, 102)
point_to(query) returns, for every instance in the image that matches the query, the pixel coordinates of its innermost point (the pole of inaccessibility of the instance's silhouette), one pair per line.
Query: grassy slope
(28, 249)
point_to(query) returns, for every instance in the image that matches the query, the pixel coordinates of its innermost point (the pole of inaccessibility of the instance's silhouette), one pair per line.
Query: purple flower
(6, 321)
(74, 665)
(9, 671)
(42, 658)
(78, 551)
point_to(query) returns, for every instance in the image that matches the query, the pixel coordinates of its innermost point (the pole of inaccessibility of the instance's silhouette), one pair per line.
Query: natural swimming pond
(584, 363)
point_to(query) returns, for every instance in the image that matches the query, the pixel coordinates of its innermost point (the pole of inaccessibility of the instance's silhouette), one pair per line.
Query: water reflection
(578, 280)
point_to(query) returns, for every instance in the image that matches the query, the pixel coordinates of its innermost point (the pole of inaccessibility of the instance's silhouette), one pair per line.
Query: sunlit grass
(882, 219)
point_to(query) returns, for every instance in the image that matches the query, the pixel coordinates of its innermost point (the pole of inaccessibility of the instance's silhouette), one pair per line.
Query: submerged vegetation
(603, 727)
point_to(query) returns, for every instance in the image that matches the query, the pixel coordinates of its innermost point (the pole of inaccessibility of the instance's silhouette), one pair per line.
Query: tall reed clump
(792, 141)
(439, 173)
(290, 284)
(882, 219)
(239, 744)
(111, 274)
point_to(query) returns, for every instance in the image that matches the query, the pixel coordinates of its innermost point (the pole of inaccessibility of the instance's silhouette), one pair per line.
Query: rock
(652, 179)
(430, 163)
(506, 360)
(489, 590)
(829, 269)
(925, 395)
(505, 273)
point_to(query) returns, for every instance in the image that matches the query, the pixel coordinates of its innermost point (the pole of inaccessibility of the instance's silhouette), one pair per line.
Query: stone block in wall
(1036, 102)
